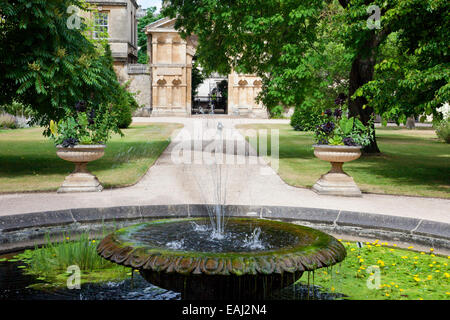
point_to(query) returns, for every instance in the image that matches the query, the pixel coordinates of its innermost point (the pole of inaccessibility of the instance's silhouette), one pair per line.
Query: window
(100, 25)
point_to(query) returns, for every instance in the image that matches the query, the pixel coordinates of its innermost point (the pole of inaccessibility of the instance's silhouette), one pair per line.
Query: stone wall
(139, 82)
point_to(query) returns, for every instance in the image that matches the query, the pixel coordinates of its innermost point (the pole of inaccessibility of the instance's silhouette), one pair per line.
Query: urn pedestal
(336, 181)
(81, 180)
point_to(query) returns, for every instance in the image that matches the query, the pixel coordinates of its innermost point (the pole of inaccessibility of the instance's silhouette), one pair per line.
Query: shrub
(304, 119)
(276, 112)
(17, 109)
(124, 107)
(443, 130)
(85, 124)
(7, 121)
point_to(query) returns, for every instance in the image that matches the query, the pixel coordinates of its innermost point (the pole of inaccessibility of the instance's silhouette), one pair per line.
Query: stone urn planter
(81, 180)
(336, 181)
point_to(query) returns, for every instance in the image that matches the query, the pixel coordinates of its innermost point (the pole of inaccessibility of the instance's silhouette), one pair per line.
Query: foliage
(403, 274)
(51, 261)
(304, 119)
(267, 38)
(303, 50)
(197, 77)
(142, 37)
(17, 109)
(124, 106)
(443, 130)
(85, 125)
(47, 66)
(412, 70)
(276, 112)
(7, 121)
(336, 129)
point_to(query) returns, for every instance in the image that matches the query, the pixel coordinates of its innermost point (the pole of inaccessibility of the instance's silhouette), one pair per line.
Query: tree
(275, 39)
(142, 37)
(48, 66)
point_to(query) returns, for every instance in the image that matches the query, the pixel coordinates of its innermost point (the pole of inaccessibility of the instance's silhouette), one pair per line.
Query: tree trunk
(411, 123)
(360, 74)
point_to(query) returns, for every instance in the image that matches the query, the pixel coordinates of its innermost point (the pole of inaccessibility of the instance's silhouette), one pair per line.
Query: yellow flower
(394, 245)
(391, 250)
(438, 271)
(420, 298)
(447, 275)
(447, 293)
(410, 247)
(416, 257)
(361, 260)
(430, 277)
(67, 238)
(432, 255)
(352, 249)
(422, 252)
(417, 279)
(93, 241)
(387, 294)
(394, 264)
(401, 290)
(431, 249)
(332, 289)
(404, 257)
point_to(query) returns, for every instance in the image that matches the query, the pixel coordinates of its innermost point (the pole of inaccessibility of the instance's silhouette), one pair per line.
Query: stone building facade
(118, 19)
(164, 86)
(170, 65)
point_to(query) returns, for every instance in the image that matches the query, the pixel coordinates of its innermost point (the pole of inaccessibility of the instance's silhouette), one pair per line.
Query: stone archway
(170, 63)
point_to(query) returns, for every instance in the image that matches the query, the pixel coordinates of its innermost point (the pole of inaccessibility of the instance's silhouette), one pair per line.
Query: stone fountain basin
(205, 269)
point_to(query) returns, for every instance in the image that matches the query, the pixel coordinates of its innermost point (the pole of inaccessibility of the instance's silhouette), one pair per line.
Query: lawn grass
(380, 271)
(413, 162)
(28, 160)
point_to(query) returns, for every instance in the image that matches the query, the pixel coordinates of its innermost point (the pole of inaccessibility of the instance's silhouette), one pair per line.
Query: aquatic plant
(50, 262)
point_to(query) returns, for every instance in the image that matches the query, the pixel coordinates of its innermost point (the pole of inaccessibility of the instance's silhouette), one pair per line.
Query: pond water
(14, 285)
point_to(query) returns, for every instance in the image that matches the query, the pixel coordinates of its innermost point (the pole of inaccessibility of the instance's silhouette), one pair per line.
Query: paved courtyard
(244, 182)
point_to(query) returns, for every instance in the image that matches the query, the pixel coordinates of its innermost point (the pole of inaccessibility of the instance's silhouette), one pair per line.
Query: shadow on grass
(410, 163)
(25, 158)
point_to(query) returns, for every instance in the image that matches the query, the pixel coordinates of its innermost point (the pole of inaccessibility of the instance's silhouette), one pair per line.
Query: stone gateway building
(170, 65)
(164, 86)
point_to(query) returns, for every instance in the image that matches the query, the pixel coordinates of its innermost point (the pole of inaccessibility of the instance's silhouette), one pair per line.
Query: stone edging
(21, 231)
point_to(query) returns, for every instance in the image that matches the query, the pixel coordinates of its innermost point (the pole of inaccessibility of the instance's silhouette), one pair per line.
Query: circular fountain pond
(252, 259)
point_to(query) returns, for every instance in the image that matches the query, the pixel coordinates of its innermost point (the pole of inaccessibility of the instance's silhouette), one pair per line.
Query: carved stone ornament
(161, 82)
